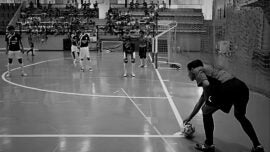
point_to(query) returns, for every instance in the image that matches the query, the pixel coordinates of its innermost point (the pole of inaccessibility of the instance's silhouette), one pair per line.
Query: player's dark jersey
(127, 47)
(13, 41)
(74, 39)
(84, 40)
(142, 42)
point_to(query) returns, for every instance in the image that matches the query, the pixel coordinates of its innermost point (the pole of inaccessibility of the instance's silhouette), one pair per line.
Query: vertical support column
(169, 45)
(156, 52)
(153, 50)
(214, 24)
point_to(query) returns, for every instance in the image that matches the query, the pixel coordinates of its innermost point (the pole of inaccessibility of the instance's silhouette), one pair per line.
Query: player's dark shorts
(142, 52)
(129, 53)
(232, 92)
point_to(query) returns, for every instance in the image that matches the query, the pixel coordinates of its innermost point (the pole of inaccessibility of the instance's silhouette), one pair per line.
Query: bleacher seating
(6, 12)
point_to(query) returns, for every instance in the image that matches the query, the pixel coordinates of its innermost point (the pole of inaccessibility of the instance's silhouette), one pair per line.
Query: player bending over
(221, 90)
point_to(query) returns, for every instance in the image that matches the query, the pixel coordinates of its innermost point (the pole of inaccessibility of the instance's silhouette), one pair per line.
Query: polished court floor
(57, 108)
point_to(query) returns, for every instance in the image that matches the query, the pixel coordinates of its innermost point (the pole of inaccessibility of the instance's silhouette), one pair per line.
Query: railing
(10, 1)
(16, 16)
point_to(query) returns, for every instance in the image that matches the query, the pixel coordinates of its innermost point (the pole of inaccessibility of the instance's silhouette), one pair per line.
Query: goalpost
(164, 44)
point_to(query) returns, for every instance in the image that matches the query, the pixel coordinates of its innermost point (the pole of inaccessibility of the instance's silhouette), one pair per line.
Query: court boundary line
(86, 135)
(158, 132)
(62, 92)
(169, 97)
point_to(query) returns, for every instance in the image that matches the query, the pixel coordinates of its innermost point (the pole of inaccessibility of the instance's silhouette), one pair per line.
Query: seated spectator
(84, 5)
(131, 4)
(96, 5)
(152, 5)
(49, 5)
(144, 4)
(157, 4)
(137, 4)
(31, 5)
(163, 5)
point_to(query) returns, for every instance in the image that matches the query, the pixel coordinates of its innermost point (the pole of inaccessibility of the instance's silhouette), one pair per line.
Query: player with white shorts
(74, 46)
(84, 50)
(14, 49)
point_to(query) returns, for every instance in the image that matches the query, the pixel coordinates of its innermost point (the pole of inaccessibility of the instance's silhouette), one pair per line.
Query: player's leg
(141, 56)
(73, 54)
(240, 114)
(10, 59)
(18, 55)
(144, 57)
(87, 54)
(32, 49)
(132, 57)
(208, 123)
(125, 59)
(82, 55)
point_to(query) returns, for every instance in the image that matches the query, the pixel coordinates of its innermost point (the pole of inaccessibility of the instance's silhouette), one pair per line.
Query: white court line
(85, 135)
(171, 148)
(164, 68)
(172, 104)
(66, 93)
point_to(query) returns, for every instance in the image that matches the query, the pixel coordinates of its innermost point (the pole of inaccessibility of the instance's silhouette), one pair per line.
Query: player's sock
(125, 71)
(132, 70)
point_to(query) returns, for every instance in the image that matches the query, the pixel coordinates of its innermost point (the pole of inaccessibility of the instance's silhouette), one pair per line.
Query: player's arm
(7, 47)
(202, 81)
(7, 41)
(89, 40)
(21, 45)
(196, 109)
(79, 42)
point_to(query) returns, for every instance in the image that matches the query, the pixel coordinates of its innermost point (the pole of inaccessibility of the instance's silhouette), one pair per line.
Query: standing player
(128, 51)
(142, 49)
(14, 49)
(84, 49)
(74, 46)
(31, 44)
(221, 90)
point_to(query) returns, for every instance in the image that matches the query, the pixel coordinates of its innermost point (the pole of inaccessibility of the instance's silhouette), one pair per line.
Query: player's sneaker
(23, 74)
(141, 66)
(74, 62)
(257, 149)
(125, 75)
(8, 74)
(145, 66)
(82, 69)
(205, 148)
(133, 74)
(90, 69)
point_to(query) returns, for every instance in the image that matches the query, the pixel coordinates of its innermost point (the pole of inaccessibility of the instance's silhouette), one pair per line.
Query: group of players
(80, 49)
(130, 39)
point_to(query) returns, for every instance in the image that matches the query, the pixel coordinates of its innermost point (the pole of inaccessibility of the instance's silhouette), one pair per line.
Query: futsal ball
(188, 130)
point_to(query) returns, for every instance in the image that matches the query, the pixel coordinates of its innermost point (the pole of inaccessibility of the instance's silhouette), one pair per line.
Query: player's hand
(185, 121)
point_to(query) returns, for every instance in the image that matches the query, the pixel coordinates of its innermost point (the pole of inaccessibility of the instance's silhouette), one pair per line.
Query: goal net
(164, 45)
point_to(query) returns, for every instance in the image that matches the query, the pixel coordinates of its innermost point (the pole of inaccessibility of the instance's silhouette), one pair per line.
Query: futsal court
(58, 108)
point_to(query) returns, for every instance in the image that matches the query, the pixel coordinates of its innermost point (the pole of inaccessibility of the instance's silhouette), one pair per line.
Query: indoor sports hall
(61, 103)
